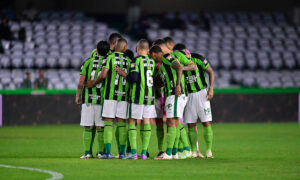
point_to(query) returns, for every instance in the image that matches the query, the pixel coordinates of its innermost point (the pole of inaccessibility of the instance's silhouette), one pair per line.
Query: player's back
(142, 91)
(169, 76)
(115, 86)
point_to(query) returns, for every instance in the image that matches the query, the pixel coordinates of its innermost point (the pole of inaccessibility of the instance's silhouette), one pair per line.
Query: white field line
(55, 175)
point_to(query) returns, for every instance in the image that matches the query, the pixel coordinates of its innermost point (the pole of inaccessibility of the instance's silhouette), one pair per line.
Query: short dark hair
(155, 49)
(179, 47)
(158, 42)
(168, 39)
(129, 54)
(113, 37)
(102, 48)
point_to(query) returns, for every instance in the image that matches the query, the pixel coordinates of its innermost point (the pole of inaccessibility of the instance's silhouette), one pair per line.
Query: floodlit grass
(242, 151)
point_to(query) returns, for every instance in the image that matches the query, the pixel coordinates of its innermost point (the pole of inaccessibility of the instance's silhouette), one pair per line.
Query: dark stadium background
(257, 59)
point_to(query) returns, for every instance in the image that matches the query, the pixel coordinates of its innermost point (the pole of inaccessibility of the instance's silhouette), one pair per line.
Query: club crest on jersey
(169, 57)
(169, 106)
(205, 61)
(104, 60)
(132, 65)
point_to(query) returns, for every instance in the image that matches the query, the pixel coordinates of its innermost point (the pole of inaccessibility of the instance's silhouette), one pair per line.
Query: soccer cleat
(187, 154)
(87, 156)
(106, 156)
(194, 155)
(144, 157)
(99, 155)
(132, 156)
(175, 156)
(121, 156)
(181, 155)
(200, 155)
(160, 154)
(165, 156)
(209, 154)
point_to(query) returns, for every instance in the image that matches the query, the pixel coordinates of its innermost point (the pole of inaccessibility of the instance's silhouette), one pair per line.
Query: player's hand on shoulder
(210, 94)
(178, 90)
(120, 71)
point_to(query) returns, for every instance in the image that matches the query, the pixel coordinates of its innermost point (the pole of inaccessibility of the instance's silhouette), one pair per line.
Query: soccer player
(113, 38)
(142, 99)
(116, 89)
(188, 65)
(169, 43)
(91, 100)
(171, 73)
(198, 105)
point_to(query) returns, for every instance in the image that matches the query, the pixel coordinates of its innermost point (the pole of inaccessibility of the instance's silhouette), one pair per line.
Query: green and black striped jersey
(91, 69)
(169, 76)
(94, 53)
(196, 80)
(116, 87)
(142, 91)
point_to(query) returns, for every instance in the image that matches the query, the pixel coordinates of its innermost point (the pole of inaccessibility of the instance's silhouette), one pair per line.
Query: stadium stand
(58, 43)
(245, 49)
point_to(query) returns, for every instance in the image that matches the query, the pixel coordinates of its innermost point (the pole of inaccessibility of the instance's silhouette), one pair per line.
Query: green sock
(171, 136)
(100, 139)
(142, 132)
(180, 146)
(184, 137)
(128, 144)
(208, 136)
(160, 137)
(87, 136)
(117, 139)
(193, 138)
(122, 136)
(93, 138)
(146, 137)
(108, 126)
(177, 139)
(132, 137)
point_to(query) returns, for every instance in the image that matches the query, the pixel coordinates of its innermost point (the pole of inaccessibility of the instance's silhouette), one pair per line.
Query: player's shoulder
(168, 57)
(86, 61)
(198, 56)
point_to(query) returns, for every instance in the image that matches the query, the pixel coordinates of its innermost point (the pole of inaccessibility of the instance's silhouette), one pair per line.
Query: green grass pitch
(242, 151)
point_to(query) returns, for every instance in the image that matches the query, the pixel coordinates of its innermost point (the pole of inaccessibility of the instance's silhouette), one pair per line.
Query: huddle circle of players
(164, 79)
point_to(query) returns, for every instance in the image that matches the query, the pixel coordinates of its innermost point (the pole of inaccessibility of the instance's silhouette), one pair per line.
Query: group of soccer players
(164, 78)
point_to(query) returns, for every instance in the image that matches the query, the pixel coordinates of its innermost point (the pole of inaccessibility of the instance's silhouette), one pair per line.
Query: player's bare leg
(208, 138)
(87, 136)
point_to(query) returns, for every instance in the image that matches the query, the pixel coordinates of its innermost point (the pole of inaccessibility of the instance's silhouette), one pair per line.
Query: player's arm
(211, 77)
(79, 88)
(99, 79)
(190, 67)
(177, 66)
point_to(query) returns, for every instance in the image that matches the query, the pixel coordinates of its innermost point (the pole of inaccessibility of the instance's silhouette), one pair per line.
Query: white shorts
(140, 111)
(158, 108)
(113, 109)
(91, 115)
(175, 106)
(197, 107)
